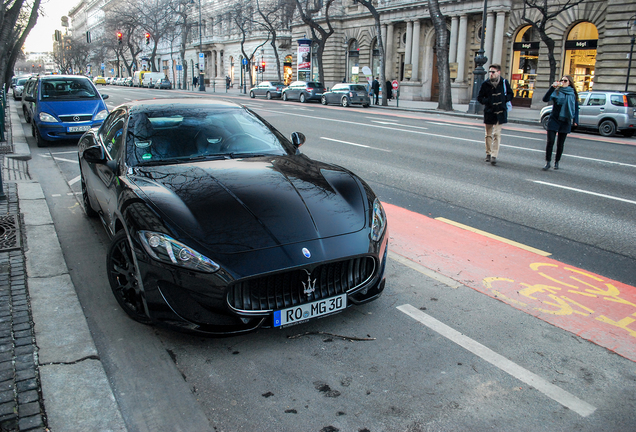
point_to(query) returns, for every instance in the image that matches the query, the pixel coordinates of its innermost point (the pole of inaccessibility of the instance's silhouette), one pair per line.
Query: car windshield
(22, 81)
(177, 135)
(68, 88)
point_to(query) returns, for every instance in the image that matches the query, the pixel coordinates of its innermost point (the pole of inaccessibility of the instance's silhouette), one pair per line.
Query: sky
(41, 36)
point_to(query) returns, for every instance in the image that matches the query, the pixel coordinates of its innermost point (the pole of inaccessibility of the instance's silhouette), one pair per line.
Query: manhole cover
(9, 233)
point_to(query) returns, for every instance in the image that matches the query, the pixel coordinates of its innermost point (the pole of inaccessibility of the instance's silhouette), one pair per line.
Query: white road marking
(454, 125)
(397, 124)
(555, 393)
(584, 191)
(65, 152)
(66, 160)
(354, 144)
(425, 271)
(75, 180)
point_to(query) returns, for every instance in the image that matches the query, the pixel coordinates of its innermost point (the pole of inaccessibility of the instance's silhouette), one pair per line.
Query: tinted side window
(617, 100)
(596, 100)
(112, 133)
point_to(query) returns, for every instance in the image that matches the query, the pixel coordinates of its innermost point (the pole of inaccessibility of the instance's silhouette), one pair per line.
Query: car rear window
(68, 89)
(22, 81)
(314, 85)
(631, 100)
(358, 88)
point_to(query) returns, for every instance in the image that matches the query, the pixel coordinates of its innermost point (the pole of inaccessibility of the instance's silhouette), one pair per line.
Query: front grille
(283, 290)
(76, 118)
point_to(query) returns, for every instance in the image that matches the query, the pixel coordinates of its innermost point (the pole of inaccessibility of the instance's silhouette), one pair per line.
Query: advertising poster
(304, 54)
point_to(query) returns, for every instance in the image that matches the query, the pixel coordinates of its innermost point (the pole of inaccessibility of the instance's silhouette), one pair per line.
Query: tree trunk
(443, 68)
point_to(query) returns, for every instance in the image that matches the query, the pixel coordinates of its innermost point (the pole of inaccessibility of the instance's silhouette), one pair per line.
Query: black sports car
(220, 225)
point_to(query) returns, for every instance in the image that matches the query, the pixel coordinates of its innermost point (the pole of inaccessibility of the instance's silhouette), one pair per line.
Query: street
(441, 349)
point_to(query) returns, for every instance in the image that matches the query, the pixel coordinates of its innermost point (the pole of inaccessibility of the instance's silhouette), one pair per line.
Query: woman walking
(565, 112)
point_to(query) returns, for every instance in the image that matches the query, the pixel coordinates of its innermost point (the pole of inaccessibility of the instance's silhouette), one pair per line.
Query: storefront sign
(525, 46)
(581, 44)
(453, 70)
(304, 54)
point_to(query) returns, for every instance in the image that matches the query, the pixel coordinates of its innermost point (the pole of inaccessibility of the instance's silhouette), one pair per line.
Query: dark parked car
(269, 89)
(606, 112)
(163, 83)
(303, 91)
(220, 225)
(346, 95)
(64, 107)
(27, 98)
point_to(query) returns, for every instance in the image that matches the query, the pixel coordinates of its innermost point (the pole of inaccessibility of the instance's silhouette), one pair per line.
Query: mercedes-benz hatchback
(64, 107)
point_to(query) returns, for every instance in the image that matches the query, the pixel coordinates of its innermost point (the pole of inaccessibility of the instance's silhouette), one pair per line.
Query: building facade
(592, 44)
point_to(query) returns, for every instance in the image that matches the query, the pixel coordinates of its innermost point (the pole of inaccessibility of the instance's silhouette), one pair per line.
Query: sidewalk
(51, 375)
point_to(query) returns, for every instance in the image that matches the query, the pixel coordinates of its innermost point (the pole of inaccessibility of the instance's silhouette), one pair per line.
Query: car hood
(238, 205)
(71, 107)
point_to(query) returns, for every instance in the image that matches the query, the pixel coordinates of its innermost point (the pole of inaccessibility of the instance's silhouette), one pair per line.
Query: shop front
(525, 61)
(580, 55)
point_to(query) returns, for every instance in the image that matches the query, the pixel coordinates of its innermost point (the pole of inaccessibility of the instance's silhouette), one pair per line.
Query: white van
(150, 78)
(137, 76)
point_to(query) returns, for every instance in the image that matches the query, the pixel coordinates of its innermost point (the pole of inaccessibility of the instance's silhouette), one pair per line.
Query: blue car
(64, 107)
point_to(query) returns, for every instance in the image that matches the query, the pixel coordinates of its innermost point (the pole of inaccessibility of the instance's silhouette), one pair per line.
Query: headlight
(47, 118)
(378, 221)
(101, 115)
(168, 250)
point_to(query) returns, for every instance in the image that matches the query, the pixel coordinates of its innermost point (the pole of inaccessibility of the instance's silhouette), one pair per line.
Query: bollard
(3, 103)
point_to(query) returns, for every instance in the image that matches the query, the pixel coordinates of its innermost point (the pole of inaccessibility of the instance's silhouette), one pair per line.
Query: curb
(76, 393)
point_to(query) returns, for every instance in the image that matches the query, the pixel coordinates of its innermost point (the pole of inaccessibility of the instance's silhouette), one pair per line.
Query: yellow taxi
(99, 80)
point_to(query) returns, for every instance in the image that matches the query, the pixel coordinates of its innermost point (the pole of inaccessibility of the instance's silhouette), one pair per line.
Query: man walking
(375, 86)
(494, 94)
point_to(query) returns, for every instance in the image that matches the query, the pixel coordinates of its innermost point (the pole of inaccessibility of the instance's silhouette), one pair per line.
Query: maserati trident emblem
(306, 253)
(310, 286)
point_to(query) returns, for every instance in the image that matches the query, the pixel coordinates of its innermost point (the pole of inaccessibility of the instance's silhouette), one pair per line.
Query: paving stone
(6, 396)
(28, 423)
(6, 356)
(25, 374)
(24, 362)
(6, 374)
(32, 408)
(22, 334)
(27, 385)
(7, 408)
(20, 342)
(23, 326)
(28, 396)
(9, 422)
(7, 365)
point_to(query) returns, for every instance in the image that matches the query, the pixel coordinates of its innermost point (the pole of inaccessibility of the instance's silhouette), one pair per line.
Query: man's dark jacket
(494, 101)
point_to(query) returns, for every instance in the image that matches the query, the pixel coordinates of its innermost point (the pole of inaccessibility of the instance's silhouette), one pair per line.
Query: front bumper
(59, 131)
(198, 302)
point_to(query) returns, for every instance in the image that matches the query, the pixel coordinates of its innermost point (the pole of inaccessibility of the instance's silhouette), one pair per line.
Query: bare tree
(308, 10)
(277, 16)
(546, 13)
(17, 18)
(244, 23)
(442, 43)
(182, 9)
(378, 31)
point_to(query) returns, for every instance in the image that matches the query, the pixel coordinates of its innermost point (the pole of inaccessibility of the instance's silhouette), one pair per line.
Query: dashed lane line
(555, 393)
(584, 191)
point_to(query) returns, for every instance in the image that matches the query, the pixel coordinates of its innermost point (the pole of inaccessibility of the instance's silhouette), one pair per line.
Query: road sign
(179, 67)
(103, 66)
(395, 84)
(201, 61)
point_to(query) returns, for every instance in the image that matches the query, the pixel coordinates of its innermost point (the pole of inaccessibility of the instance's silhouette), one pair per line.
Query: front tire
(544, 121)
(323, 100)
(269, 96)
(285, 97)
(345, 102)
(41, 142)
(607, 128)
(252, 95)
(122, 275)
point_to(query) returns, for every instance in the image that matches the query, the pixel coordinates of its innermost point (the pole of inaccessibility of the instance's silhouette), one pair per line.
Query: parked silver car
(303, 91)
(347, 94)
(269, 89)
(606, 112)
(19, 87)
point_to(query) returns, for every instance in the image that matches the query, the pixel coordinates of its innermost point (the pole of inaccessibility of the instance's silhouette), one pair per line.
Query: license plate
(302, 313)
(79, 128)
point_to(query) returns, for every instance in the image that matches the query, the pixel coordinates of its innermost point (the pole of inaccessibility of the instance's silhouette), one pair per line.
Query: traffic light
(58, 36)
(147, 38)
(120, 37)
(263, 66)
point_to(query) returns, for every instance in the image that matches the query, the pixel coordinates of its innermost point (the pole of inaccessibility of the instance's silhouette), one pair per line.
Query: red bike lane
(589, 305)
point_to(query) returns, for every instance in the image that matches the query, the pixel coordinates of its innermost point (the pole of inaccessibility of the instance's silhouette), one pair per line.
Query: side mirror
(94, 154)
(28, 98)
(297, 139)
(104, 97)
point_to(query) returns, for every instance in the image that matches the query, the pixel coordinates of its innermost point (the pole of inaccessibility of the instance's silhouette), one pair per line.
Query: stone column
(452, 53)
(212, 63)
(490, 32)
(499, 33)
(461, 48)
(415, 56)
(219, 62)
(409, 42)
(388, 67)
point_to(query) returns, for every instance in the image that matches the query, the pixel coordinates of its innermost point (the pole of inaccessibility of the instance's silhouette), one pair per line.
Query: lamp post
(474, 107)
(631, 31)
(201, 56)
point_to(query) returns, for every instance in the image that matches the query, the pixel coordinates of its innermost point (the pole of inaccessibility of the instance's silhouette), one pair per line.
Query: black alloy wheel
(41, 142)
(122, 275)
(86, 201)
(607, 128)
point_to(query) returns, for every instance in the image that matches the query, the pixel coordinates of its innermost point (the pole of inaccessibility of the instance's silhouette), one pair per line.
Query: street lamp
(631, 31)
(474, 107)
(201, 56)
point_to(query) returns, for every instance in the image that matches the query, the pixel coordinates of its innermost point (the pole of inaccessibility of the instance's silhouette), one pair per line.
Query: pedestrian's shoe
(487, 158)
(556, 165)
(493, 161)
(547, 166)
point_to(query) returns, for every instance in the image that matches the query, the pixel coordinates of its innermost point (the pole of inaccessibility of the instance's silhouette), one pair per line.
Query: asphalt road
(410, 371)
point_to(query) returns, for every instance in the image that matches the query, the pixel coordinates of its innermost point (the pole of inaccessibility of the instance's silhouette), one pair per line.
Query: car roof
(186, 103)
